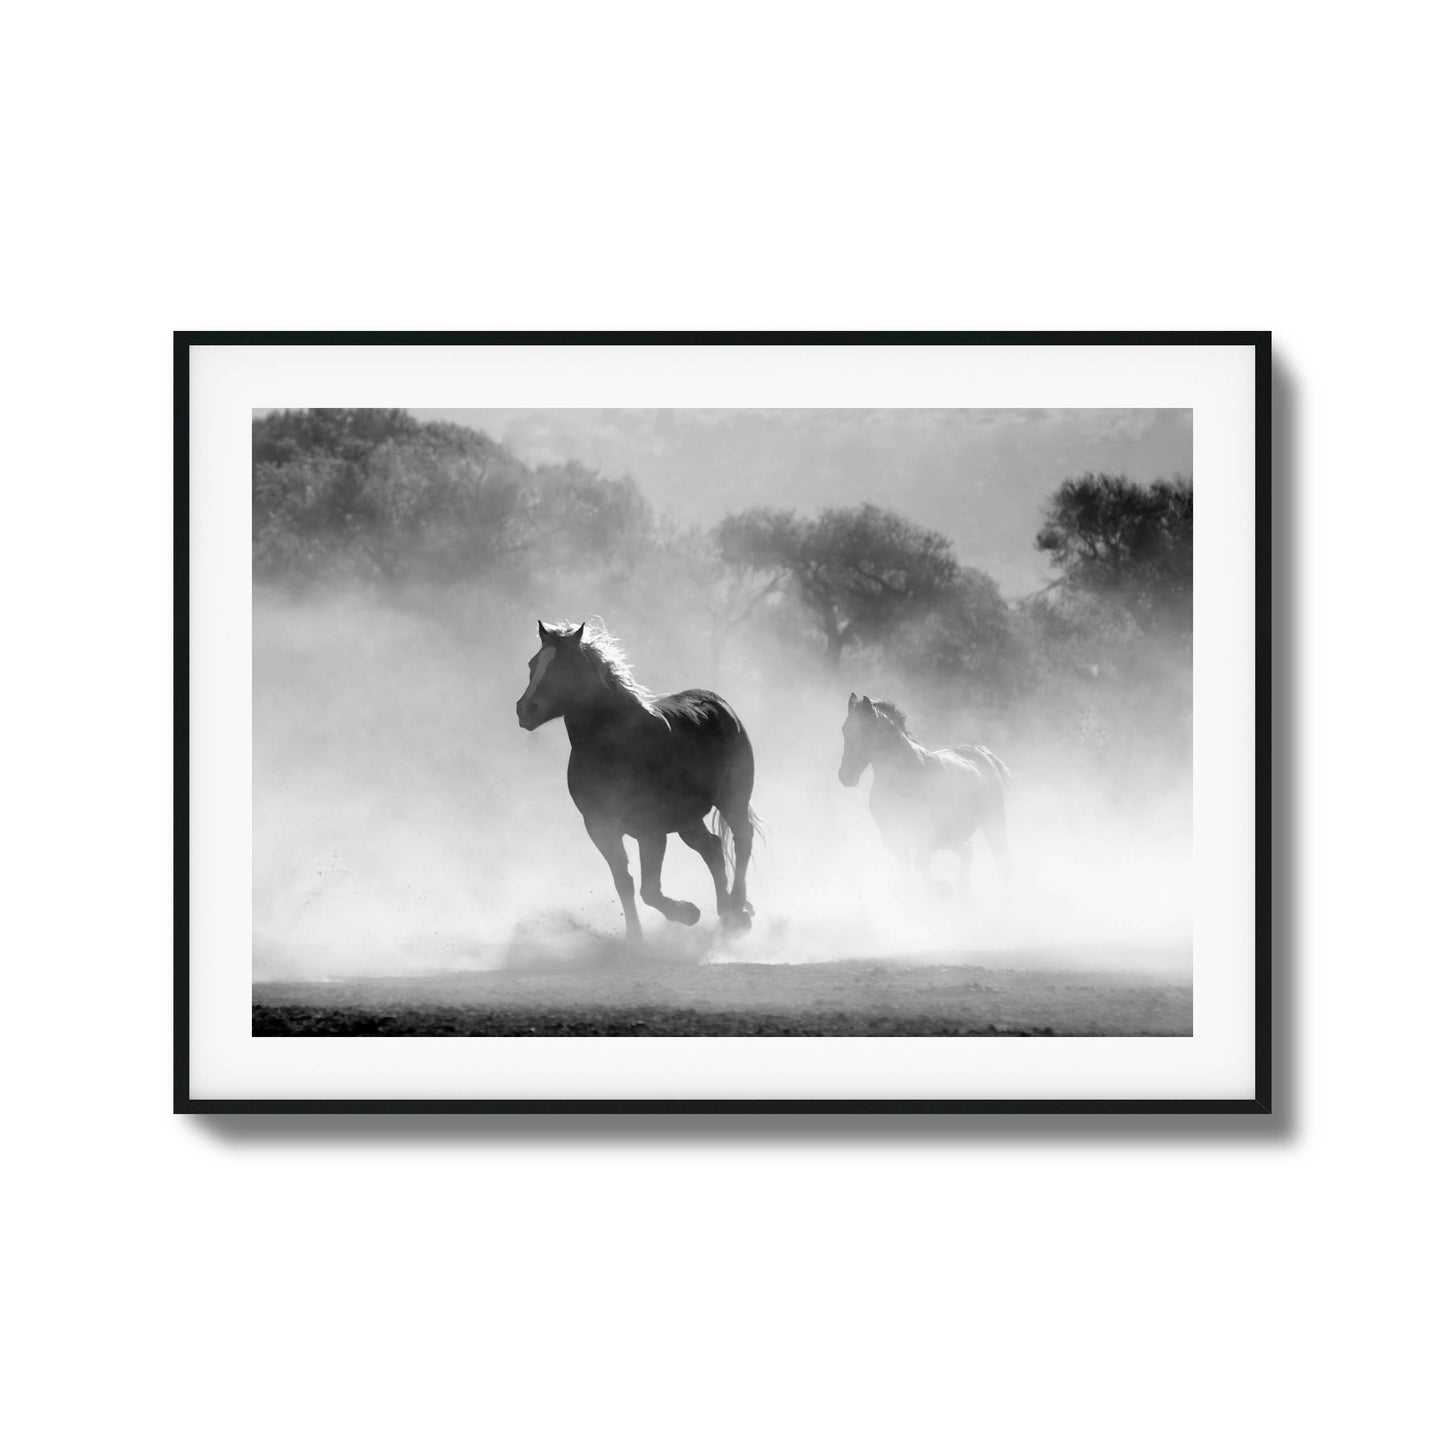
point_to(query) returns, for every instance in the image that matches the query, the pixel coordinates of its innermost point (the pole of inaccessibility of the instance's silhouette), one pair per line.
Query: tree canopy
(858, 572)
(376, 495)
(1126, 545)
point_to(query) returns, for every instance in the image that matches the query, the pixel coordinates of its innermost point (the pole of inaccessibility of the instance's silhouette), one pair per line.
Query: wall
(177, 1280)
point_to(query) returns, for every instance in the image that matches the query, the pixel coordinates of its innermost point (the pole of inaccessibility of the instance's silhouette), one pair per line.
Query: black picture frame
(1263, 1100)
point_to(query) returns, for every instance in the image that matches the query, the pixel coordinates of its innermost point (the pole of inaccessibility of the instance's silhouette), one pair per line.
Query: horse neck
(896, 751)
(603, 711)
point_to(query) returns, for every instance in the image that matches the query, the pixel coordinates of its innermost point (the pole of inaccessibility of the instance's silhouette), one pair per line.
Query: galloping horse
(924, 801)
(644, 766)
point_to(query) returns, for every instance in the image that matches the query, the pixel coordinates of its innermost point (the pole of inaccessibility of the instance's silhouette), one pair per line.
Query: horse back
(949, 796)
(700, 712)
(991, 768)
(704, 728)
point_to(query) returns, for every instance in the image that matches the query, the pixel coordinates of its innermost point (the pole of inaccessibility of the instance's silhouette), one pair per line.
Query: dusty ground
(1121, 992)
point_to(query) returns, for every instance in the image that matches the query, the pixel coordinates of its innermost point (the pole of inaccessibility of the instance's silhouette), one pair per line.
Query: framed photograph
(723, 722)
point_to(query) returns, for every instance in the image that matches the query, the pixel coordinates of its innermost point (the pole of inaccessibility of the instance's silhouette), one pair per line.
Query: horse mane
(894, 714)
(604, 652)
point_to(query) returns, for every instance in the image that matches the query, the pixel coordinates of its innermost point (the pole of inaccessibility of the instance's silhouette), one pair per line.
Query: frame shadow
(1280, 1128)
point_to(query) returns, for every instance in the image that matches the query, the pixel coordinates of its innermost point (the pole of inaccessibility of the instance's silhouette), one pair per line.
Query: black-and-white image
(722, 722)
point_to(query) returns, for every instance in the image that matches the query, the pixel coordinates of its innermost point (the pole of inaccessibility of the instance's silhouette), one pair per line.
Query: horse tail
(736, 787)
(725, 832)
(720, 827)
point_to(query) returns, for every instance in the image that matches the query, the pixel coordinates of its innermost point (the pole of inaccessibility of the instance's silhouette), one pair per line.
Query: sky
(981, 477)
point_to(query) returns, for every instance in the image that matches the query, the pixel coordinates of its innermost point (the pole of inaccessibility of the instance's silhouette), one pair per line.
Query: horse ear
(852, 701)
(577, 636)
(542, 630)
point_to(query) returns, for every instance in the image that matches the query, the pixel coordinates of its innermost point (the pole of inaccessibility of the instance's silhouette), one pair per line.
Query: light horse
(924, 801)
(644, 766)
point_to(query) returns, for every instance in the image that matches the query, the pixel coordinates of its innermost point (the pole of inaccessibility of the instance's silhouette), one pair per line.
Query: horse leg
(995, 829)
(609, 844)
(739, 910)
(910, 863)
(922, 858)
(702, 838)
(650, 848)
(965, 871)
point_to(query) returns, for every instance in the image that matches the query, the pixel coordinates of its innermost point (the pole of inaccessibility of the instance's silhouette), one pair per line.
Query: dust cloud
(405, 825)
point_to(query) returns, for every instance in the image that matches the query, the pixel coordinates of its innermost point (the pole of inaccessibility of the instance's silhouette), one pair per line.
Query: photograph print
(722, 723)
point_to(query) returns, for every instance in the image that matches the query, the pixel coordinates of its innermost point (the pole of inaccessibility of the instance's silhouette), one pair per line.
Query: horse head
(858, 733)
(557, 676)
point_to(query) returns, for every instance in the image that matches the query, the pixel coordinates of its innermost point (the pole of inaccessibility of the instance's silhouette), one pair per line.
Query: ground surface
(1102, 992)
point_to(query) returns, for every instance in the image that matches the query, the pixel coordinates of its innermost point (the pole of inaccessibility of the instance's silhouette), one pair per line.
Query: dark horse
(645, 766)
(924, 801)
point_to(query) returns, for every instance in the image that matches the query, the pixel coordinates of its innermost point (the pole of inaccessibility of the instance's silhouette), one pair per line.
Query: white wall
(1101, 166)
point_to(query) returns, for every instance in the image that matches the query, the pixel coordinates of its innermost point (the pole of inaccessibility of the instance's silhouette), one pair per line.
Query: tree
(347, 433)
(752, 559)
(580, 519)
(858, 572)
(1112, 635)
(1126, 545)
(374, 494)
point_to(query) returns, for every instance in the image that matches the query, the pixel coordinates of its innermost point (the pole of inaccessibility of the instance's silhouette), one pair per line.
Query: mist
(408, 833)
(404, 823)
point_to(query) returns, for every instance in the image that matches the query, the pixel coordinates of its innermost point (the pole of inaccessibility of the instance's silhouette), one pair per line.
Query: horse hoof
(687, 913)
(737, 922)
